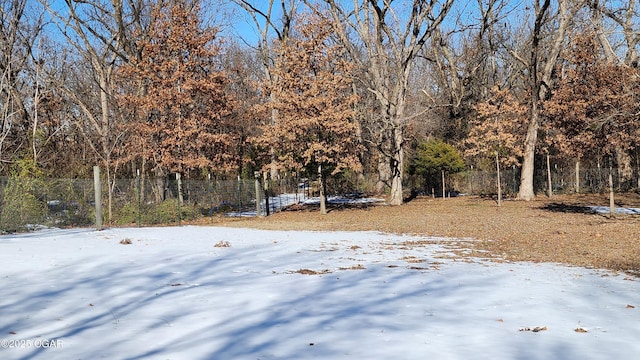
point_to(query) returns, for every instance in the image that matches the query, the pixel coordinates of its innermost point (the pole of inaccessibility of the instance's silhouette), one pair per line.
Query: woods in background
(165, 87)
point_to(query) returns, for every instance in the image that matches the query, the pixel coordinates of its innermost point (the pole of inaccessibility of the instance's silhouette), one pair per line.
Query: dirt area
(561, 229)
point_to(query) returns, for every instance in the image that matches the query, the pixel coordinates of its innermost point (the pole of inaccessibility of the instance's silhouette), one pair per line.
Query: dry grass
(559, 229)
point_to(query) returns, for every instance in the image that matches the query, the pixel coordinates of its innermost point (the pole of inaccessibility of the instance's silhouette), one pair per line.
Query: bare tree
(540, 66)
(385, 41)
(21, 25)
(462, 61)
(99, 31)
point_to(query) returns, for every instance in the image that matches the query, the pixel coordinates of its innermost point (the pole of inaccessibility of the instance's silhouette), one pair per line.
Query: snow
(344, 200)
(617, 210)
(172, 294)
(277, 203)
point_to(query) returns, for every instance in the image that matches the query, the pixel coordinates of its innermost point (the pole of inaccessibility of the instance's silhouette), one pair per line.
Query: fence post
(549, 184)
(577, 177)
(239, 195)
(498, 180)
(612, 204)
(97, 186)
(266, 194)
(179, 185)
(139, 188)
(258, 193)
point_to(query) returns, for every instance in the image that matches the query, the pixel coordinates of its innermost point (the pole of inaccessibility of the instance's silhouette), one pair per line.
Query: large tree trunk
(390, 47)
(384, 174)
(540, 82)
(528, 165)
(397, 167)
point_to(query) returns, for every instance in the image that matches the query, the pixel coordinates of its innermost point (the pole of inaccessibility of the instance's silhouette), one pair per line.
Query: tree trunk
(97, 196)
(612, 204)
(384, 174)
(179, 185)
(111, 183)
(397, 167)
(266, 192)
(540, 80)
(142, 180)
(577, 176)
(391, 47)
(323, 196)
(258, 195)
(526, 178)
(104, 124)
(498, 181)
(549, 184)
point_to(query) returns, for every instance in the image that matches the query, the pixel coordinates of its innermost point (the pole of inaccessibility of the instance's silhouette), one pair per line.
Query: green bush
(23, 205)
(126, 214)
(432, 158)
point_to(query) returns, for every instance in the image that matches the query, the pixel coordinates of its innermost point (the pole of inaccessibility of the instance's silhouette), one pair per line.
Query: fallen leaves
(413, 259)
(521, 231)
(535, 329)
(222, 244)
(354, 267)
(580, 330)
(311, 272)
(125, 241)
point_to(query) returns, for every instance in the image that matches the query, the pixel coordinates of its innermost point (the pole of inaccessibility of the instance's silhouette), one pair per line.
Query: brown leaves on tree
(499, 126)
(595, 104)
(179, 111)
(314, 100)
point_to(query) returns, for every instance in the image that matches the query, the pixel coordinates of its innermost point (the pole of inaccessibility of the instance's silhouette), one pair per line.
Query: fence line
(563, 181)
(27, 203)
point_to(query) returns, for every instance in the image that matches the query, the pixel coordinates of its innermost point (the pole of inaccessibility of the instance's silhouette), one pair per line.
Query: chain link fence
(27, 204)
(563, 181)
(149, 202)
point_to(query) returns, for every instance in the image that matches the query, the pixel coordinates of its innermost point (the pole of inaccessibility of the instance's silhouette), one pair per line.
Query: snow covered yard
(222, 293)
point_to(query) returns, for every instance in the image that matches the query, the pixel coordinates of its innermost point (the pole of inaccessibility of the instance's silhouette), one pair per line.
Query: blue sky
(237, 24)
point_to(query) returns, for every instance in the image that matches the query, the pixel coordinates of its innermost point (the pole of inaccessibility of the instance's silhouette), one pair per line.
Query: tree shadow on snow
(199, 306)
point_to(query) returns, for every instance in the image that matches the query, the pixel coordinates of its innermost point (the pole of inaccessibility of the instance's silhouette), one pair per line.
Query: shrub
(432, 158)
(23, 205)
